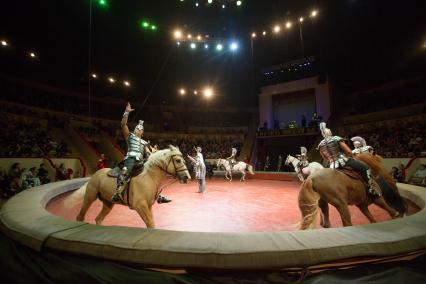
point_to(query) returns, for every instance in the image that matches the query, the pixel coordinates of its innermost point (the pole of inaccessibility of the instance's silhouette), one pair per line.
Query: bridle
(171, 160)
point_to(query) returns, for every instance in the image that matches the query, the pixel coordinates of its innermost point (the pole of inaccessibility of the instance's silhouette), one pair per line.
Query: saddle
(353, 174)
(115, 172)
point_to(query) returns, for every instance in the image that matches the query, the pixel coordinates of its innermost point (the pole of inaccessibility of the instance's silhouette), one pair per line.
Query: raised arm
(124, 127)
(192, 159)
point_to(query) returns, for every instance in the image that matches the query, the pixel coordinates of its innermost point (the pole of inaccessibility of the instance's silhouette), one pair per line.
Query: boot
(121, 185)
(162, 199)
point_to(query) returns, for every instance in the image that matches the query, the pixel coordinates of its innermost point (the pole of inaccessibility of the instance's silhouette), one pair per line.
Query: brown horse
(143, 188)
(334, 187)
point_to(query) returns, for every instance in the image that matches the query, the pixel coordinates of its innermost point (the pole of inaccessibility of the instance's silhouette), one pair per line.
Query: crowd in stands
(17, 179)
(395, 139)
(23, 139)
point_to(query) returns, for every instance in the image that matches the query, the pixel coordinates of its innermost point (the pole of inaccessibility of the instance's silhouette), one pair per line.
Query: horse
(143, 188)
(329, 186)
(310, 169)
(238, 167)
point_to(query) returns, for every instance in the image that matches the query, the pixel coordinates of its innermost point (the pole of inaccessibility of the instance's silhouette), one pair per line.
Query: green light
(145, 24)
(102, 2)
(153, 27)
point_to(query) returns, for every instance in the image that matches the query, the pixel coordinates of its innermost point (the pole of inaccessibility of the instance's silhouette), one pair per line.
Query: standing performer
(336, 152)
(137, 147)
(200, 170)
(233, 159)
(280, 161)
(360, 146)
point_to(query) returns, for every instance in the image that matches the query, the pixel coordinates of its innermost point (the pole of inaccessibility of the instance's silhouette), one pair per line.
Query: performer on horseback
(360, 146)
(338, 154)
(137, 147)
(233, 159)
(303, 157)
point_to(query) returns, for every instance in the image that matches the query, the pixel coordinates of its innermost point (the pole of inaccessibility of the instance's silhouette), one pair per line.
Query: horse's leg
(243, 175)
(382, 204)
(230, 175)
(106, 208)
(367, 213)
(325, 220)
(89, 197)
(146, 214)
(344, 214)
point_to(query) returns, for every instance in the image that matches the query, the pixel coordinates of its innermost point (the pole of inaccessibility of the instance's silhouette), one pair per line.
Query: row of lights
(111, 79)
(194, 40)
(30, 54)
(210, 2)
(207, 92)
(233, 46)
(277, 28)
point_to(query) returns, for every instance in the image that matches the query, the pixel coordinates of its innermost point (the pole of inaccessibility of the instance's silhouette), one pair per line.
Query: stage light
(4, 43)
(111, 80)
(288, 25)
(206, 46)
(145, 24)
(239, 3)
(223, 6)
(193, 46)
(102, 2)
(277, 29)
(32, 54)
(209, 1)
(126, 83)
(301, 19)
(219, 46)
(314, 13)
(208, 92)
(178, 43)
(153, 27)
(94, 76)
(196, 4)
(253, 35)
(177, 34)
(195, 92)
(199, 37)
(182, 91)
(264, 33)
(233, 46)
(189, 36)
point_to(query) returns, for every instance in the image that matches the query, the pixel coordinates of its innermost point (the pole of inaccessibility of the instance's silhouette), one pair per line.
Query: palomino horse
(238, 167)
(306, 171)
(334, 187)
(143, 188)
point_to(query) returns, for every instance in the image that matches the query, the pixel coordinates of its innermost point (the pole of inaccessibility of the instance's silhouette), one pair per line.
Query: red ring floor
(249, 206)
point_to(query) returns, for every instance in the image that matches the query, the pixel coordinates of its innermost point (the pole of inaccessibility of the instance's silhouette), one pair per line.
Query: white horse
(238, 167)
(308, 170)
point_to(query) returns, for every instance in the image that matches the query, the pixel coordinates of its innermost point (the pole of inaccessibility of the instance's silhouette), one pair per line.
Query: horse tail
(249, 168)
(308, 204)
(392, 197)
(75, 197)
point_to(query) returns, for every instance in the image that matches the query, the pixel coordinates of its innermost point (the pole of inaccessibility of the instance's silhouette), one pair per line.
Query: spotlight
(153, 27)
(208, 92)
(189, 36)
(196, 4)
(111, 80)
(253, 35)
(223, 6)
(206, 46)
(209, 1)
(32, 54)
(219, 46)
(233, 46)
(264, 33)
(301, 19)
(178, 34)
(314, 13)
(288, 25)
(145, 24)
(193, 45)
(178, 43)
(4, 43)
(199, 37)
(239, 3)
(94, 76)
(126, 83)
(182, 91)
(195, 92)
(277, 29)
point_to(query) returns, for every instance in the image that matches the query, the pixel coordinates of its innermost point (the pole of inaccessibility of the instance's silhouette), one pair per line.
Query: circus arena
(213, 141)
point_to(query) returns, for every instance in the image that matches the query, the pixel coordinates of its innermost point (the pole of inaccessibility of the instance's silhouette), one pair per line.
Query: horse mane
(155, 159)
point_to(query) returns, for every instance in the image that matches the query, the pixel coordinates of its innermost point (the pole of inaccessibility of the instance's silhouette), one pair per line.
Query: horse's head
(288, 159)
(172, 162)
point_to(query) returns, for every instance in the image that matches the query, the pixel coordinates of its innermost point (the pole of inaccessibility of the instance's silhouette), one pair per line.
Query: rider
(137, 147)
(360, 146)
(303, 157)
(338, 154)
(232, 159)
